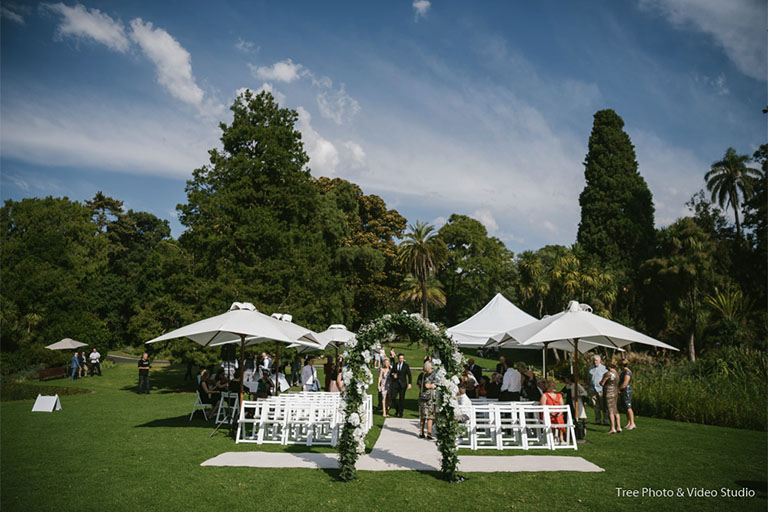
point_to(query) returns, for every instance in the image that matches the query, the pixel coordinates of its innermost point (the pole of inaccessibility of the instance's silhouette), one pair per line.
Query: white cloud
(68, 131)
(420, 8)
(172, 64)
(80, 22)
(337, 105)
(6, 12)
(324, 157)
(485, 217)
(354, 155)
(738, 26)
(246, 46)
(283, 71)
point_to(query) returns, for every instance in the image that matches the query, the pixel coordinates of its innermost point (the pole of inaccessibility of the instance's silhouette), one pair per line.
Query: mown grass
(115, 450)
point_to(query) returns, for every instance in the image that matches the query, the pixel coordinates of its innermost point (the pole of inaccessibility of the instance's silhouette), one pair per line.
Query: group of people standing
(83, 366)
(608, 389)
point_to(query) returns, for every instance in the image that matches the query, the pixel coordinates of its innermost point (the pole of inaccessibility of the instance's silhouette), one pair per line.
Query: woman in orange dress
(552, 397)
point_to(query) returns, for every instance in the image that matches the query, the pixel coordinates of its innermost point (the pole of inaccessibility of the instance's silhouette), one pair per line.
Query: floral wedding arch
(357, 377)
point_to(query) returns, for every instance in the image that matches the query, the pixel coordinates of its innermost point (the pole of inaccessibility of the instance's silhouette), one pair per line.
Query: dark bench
(53, 373)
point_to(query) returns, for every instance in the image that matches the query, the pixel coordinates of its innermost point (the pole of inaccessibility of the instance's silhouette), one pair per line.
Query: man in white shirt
(511, 385)
(309, 380)
(595, 390)
(95, 358)
(266, 362)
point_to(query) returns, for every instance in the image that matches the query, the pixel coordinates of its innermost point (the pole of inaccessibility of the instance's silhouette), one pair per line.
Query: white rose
(354, 419)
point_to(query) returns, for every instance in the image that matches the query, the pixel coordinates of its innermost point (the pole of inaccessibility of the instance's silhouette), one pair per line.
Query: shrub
(728, 388)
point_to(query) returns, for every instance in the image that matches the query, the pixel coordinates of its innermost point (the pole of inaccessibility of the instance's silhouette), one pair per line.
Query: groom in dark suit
(401, 382)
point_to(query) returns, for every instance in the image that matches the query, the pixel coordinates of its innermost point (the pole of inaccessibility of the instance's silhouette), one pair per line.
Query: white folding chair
(250, 416)
(200, 405)
(466, 425)
(509, 429)
(484, 427)
(568, 425)
(535, 426)
(273, 422)
(229, 404)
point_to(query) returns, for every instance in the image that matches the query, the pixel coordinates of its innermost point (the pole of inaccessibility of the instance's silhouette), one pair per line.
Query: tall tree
(422, 253)
(534, 279)
(477, 267)
(616, 206)
(254, 218)
(730, 181)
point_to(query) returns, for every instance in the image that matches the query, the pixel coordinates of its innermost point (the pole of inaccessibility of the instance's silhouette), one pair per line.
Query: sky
(439, 107)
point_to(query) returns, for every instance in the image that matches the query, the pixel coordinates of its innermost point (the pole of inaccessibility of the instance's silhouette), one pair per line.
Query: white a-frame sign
(47, 404)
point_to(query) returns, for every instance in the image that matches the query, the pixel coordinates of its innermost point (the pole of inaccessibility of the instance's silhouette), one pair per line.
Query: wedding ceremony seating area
(307, 418)
(490, 424)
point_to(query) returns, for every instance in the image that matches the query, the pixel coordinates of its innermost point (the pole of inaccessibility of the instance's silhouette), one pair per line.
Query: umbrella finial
(573, 306)
(242, 306)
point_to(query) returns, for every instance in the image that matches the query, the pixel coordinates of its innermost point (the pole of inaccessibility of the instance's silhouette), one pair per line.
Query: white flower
(457, 357)
(354, 419)
(366, 356)
(455, 379)
(361, 446)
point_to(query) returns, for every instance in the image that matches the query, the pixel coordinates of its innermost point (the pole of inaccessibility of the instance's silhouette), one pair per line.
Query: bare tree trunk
(738, 224)
(424, 312)
(692, 347)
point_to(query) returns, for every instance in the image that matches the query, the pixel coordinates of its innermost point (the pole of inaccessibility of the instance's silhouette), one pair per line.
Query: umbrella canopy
(66, 344)
(242, 319)
(499, 315)
(295, 333)
(578, 323)
(335, 336)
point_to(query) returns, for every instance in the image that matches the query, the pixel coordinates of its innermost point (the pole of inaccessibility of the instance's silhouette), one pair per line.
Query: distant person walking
(144, 367)
(95, 358)
(75, 363)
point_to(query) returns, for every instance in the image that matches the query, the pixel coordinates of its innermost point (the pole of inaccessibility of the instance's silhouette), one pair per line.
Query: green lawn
(112, 449)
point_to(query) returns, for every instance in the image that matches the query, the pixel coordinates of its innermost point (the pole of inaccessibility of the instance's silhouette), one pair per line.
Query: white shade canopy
(242, 319)
(295, 333)
(66, 344)
(499, 315)
(578, 323)
(335, 336)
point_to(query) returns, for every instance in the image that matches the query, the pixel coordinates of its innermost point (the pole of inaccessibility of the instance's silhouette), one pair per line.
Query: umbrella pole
(575, 396)
(242, 369)
(277, 370)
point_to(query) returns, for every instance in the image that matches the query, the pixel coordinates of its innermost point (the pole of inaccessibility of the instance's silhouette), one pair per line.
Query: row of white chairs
(310, 418)
(514, 425)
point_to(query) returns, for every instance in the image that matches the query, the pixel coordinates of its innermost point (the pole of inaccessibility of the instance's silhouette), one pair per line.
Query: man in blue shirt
(596, 372)
(75, 366)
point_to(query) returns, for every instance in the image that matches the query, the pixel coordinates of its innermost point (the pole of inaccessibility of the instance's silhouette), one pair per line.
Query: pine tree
(616, 205)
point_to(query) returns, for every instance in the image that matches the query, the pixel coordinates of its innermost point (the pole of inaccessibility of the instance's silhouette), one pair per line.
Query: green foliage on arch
(357, 377)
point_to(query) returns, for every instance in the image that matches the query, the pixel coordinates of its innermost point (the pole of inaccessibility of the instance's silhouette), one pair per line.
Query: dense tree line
(260, 228)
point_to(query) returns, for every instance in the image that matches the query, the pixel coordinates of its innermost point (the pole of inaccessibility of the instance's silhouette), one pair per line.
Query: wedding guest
(383, 386)
(401, 382)
(552, 397)
(625, 390)
(83, 364)
(511, 384)
(208, 392)
(494, 387)
(309, 380)
(425, 383)
(610, 393)
(95, 358)
(144, 367)
(75, 364)
(595, 390)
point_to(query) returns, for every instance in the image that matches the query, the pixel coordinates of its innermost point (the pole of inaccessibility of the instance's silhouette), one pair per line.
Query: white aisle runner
(400, 449)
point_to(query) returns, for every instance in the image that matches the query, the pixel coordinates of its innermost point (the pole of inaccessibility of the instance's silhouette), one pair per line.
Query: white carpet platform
(400, 449)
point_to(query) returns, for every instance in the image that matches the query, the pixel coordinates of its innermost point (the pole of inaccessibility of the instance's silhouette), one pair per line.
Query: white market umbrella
(241, 322)
(579, 324)
(336, 336)
(66, 344)
(497, 316)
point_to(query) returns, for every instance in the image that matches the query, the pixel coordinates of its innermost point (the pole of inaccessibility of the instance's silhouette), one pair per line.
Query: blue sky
(440, 107)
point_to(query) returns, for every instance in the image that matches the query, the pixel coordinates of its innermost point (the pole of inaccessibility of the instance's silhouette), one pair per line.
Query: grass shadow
(166, 379)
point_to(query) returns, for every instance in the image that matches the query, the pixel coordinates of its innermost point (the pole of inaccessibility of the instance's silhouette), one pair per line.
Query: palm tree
(412, 291)
(422, 253)
(533, 276)
(730, 181)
